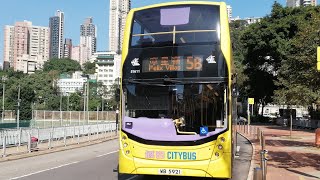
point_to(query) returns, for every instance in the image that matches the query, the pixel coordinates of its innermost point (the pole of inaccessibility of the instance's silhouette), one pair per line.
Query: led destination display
(175, 63)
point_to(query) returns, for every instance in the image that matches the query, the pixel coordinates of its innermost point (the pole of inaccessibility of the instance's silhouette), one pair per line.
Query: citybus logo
(170, 155)
(211, 59)
(135, 62)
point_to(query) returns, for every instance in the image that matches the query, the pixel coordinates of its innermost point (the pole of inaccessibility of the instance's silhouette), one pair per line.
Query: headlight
(222, 139)
(220, 147)
(125, 145)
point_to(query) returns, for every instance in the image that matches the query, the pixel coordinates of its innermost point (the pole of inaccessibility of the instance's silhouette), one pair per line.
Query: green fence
(12, 125)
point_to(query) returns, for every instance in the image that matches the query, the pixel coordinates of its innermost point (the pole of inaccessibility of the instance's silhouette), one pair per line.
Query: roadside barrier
(19, 141)
(259, 173)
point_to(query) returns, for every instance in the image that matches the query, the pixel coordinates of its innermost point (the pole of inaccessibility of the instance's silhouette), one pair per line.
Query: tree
(62, 65)
(266, 44)
(89, 68)
(237, 29)
(298, 77)
(280, 56)
(75, 102)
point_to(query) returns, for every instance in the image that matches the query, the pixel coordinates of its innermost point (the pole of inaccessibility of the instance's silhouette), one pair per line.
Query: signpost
(250, 102)
(318, 58)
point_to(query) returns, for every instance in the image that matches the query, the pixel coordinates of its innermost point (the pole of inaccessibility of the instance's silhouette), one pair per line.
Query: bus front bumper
(219, 168)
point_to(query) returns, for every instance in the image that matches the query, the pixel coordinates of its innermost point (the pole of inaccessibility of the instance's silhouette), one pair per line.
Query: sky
(75, 11)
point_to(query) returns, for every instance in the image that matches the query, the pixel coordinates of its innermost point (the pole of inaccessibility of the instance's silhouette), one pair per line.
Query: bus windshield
(178, 25)
(195, 104)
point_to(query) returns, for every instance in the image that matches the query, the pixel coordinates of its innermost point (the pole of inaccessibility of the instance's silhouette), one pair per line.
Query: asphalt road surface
(96, 162)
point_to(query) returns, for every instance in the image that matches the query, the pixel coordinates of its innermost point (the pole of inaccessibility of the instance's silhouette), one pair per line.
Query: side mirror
(117, 95)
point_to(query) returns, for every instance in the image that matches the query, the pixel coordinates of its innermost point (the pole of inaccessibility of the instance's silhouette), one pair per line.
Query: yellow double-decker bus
(176, 91)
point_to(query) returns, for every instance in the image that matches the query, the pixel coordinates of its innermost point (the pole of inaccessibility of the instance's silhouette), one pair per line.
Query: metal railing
(256, 133)
(19, 141)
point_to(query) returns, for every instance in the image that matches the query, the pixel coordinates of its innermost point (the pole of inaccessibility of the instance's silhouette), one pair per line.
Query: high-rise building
(67, 49)
(56, 24)
(293, 3)
(8, 55)
(297, 3)
(117, 20)
(229, 11)
(39, 42)
(88, 36)
(24, 43)
(75, 53)
(80, 54)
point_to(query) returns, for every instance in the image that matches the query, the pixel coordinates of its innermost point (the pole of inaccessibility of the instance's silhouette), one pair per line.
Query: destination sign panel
(175, 63)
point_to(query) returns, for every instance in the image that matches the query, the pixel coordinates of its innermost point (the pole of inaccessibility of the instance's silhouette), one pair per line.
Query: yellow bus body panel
(207, 163)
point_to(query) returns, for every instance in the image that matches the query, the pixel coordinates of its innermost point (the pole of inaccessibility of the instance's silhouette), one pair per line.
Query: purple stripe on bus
(160, 130)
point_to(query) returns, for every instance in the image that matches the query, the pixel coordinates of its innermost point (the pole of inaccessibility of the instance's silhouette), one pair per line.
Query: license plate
(170, 171)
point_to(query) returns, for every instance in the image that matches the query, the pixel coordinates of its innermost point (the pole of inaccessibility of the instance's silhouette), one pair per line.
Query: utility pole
(4, 78)
(84, 102)
(88, 98)
(60, 109)
(18, 111)
(68, 102)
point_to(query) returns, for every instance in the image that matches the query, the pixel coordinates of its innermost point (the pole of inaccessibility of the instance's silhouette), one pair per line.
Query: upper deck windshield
(176, 25)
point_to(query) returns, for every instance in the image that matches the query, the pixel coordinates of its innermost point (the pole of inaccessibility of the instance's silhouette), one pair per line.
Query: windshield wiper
(132, 81)
(207, 80)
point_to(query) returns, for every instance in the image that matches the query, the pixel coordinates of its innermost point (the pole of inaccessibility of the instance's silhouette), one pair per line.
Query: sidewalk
(14, 153)
(294, 158)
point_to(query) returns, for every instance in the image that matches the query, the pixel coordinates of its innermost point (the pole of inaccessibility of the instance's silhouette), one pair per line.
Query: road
(93, 162)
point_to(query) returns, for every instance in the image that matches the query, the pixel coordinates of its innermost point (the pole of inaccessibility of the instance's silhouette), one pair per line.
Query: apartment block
(88, 35)
(117, 20)
(298, 3)
(67, 49)
(25, 44)
(56, 25)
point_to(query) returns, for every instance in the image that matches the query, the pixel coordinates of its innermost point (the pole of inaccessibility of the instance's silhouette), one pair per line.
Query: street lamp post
(61, 109)
(84, 102)
(68, 102)
(18, 109)
(88, 98)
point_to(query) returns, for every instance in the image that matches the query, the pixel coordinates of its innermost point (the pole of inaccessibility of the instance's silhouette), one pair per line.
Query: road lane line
(107, 153)
(133, 177)
(45, 170)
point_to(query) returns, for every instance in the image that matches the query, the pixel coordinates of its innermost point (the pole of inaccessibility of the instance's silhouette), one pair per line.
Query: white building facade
(73, 84)
(297, 3)
(107, 67)
(229, 11)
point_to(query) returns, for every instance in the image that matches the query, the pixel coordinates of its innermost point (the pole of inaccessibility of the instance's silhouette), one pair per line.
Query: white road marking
(44, 170)
(133, 177)
(107, 153)
(19, 177)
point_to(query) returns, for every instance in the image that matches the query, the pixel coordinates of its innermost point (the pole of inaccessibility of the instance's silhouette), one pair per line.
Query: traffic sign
(251, 100)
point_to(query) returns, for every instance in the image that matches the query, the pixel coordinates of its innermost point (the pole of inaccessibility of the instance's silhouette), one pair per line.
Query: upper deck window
(176, 25)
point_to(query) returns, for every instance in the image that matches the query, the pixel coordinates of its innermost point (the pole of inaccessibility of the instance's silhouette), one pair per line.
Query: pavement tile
(294, 158)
